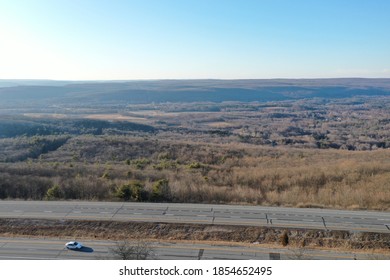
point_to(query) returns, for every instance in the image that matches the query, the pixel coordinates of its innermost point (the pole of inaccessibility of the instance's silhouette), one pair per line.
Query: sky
(193, 39)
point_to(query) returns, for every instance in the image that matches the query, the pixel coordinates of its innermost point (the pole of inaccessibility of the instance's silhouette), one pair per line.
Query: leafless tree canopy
(138, 250)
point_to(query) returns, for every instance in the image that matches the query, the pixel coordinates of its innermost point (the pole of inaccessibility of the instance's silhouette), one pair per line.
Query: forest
(319, 151)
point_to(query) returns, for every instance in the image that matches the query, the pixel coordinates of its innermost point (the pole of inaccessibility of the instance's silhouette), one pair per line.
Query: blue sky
(180, 39)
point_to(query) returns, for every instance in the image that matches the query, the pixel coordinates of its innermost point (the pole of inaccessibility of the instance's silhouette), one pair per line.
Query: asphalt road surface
(53, 249)
(362, 221)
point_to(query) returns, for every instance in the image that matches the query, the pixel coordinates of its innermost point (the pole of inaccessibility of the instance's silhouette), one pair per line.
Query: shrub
(161, 191)
(195, 165)
(54, 192)
(132, 191)
(165, 164)
(124, 192)
(141, 163)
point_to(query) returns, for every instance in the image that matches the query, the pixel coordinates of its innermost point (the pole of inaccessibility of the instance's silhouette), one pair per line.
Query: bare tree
(139, 250)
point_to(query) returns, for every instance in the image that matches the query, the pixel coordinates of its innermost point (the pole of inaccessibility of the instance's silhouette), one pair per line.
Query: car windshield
(75, 243)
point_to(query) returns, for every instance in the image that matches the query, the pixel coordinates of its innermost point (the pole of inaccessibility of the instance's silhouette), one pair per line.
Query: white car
(73, 245)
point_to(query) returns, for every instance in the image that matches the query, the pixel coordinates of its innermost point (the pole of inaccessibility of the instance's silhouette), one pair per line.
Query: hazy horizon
(192, 79)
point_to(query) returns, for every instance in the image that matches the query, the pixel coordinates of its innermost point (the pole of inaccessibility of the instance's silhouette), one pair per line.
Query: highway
(53, 249)
(360, 221)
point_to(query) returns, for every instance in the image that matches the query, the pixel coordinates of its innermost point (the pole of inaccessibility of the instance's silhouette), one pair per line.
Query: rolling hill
(43, 93)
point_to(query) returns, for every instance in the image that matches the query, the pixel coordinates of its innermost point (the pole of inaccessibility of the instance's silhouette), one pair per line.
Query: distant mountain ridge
(43, 92)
